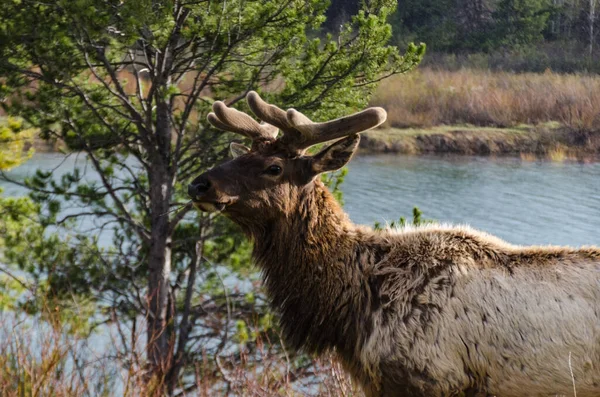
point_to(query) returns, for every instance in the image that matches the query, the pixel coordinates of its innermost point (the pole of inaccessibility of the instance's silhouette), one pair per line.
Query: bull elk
(425, 311)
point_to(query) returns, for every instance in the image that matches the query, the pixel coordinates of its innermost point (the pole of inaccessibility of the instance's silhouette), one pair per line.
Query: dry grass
(427, 97)
(42, 358)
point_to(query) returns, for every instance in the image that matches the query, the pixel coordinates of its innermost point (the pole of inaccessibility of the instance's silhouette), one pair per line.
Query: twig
(179, 208)
(9, 274)
(572, 377)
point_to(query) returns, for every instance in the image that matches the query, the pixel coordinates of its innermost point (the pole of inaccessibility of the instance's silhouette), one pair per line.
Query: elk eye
(273, 170)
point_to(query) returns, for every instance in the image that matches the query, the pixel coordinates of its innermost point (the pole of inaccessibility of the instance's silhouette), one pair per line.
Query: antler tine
(229, 119)
(300, 132)
(314, 133)
(270, 113)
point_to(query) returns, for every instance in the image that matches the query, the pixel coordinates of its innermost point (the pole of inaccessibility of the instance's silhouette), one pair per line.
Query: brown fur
(431, 311)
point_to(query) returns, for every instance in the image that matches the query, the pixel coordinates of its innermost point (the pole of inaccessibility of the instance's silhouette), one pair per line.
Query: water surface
(522, 202)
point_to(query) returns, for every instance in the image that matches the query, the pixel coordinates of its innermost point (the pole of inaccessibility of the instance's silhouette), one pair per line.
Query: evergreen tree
(129, 84)
(520, 22)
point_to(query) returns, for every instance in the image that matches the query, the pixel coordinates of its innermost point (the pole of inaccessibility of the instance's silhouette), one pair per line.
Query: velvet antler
(299, 132)
(230, 119)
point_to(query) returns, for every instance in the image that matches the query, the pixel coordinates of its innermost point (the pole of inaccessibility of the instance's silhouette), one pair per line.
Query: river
(523, 202)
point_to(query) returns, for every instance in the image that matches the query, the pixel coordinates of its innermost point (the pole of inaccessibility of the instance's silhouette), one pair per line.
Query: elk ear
(237, 149)
(335, 156)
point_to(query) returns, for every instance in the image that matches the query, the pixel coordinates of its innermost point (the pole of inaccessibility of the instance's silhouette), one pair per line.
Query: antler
(314, 133)
(230, 119)
(299, 132)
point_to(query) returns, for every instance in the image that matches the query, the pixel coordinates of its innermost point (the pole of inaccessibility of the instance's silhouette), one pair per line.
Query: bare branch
(142, 232)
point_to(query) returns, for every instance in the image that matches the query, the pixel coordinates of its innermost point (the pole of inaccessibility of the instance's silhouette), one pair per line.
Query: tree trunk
(159, 262)
(186, 323)
(159, 345)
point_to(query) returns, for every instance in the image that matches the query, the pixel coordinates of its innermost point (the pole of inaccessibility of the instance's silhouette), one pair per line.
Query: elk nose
(198, 187)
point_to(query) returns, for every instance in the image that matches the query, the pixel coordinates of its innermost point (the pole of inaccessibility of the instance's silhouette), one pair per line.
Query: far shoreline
(549, 141)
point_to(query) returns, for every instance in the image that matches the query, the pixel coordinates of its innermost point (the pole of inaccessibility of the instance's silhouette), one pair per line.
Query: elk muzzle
(205, 196)
(198, 188)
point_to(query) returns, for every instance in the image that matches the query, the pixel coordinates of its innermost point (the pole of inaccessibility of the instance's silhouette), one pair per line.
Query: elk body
(429, 311)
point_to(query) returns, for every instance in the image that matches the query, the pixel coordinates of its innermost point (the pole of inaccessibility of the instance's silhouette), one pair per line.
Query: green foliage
(428, 21)
(333, 181)
(417, 220)
(14, 138)
(520, 22)
(459, 26)
(129, 84)
(310, 76)
(32, 280)
(17, 229)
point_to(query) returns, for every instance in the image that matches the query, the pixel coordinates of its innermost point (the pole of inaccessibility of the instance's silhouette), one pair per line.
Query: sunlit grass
(426, 98)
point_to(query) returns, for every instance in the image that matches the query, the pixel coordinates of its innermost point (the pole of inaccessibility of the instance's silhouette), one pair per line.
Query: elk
(419, 311)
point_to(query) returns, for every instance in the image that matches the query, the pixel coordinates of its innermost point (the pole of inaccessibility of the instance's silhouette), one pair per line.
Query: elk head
(267, 180)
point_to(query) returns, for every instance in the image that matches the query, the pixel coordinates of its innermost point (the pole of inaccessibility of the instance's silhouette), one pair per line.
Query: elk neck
(314, 262)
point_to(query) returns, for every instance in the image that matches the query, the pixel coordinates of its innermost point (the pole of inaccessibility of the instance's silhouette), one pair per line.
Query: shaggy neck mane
(312, 264)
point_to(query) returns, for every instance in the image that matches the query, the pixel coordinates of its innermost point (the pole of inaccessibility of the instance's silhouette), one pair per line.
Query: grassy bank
(548, 140)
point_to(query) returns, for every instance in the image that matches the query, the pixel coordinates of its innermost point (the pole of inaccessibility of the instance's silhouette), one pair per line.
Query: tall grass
(38, 359)
(428, 97)
(43, 358)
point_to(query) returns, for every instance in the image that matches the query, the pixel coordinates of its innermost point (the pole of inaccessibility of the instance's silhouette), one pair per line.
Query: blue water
(522, 202)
